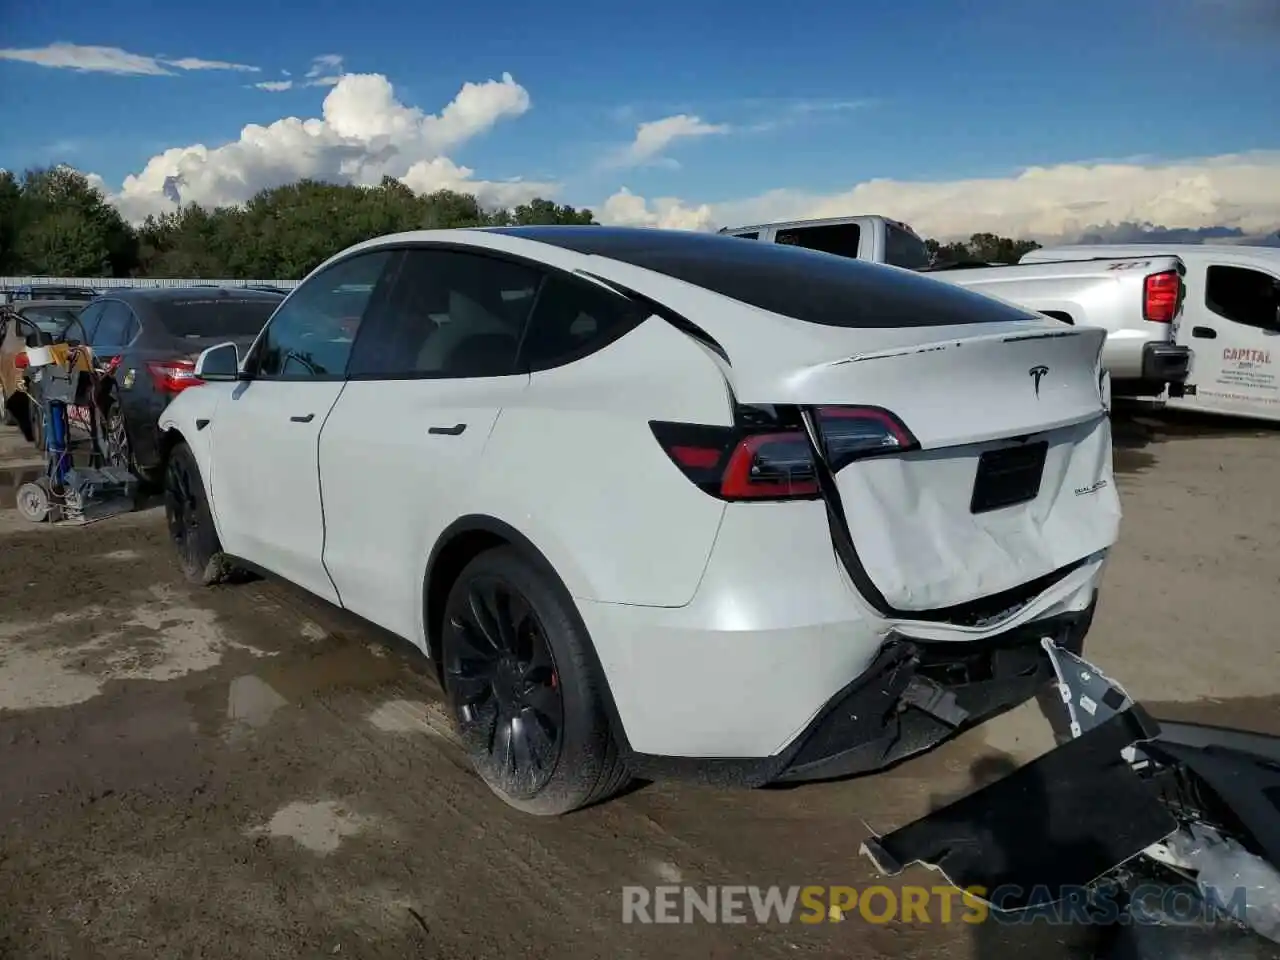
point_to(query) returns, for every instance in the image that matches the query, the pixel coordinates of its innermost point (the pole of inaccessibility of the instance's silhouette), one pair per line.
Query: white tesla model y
(662, 503)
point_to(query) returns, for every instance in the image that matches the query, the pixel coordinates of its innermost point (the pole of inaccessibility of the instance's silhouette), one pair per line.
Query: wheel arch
(460, 543)
(170, 437)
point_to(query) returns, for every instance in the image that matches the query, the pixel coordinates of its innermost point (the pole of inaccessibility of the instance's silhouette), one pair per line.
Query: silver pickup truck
(1136, 299)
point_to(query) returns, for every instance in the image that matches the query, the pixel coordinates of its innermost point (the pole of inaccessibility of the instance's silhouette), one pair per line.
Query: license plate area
(1008, 476)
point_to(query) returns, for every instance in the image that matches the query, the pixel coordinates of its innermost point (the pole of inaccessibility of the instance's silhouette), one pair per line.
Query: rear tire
(523, 688)
(191, 529)
(118, 449)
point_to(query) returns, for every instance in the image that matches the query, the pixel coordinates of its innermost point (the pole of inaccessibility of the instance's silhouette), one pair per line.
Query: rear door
(264, 481)
(400, 453)
(1232, 323)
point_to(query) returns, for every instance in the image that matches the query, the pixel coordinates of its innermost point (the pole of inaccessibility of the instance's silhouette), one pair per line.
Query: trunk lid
(1011, 481)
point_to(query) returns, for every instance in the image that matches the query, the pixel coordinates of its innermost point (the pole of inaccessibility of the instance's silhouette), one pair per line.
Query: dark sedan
(145, 342)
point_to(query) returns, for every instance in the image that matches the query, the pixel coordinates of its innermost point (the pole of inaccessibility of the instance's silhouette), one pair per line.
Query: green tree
(57, 209)
(981, 248)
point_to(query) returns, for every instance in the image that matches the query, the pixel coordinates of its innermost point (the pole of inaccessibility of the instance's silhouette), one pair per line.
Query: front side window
(449, 314)
(1245, 296)
(310, 336)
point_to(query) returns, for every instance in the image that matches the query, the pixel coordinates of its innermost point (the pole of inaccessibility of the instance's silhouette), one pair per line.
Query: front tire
(191, 529)
(524, 693)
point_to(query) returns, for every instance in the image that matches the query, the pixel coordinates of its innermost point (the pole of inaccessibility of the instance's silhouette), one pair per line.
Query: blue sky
(811, 96)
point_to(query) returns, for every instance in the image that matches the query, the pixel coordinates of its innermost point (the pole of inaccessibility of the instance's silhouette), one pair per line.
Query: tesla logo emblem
(1037, 374)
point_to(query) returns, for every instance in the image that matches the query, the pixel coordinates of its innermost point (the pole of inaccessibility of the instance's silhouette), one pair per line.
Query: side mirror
(219, 363)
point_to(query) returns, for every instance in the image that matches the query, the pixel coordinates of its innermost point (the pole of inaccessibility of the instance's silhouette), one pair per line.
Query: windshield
(210, 319)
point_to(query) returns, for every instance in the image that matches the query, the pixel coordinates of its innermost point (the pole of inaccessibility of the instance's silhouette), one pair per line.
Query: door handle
(453, 431)
(1204, 333)
(307, 419)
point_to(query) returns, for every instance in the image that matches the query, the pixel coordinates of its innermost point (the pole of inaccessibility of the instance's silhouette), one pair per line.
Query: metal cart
(78, 486)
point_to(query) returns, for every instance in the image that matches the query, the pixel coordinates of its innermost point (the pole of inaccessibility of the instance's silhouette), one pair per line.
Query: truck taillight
(1162, 296)
(754, 463)
(20, 360)
(173, 376)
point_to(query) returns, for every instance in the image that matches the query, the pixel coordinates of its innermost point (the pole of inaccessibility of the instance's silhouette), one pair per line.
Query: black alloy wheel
(504, 687)
(116, 451)
(181, 505)
(190, 523)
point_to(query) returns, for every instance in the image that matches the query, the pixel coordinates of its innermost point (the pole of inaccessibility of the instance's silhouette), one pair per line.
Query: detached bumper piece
(1059, 823)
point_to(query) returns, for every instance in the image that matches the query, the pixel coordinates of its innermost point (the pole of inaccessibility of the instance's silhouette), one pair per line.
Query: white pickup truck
(1136, 299)
(1231, 320)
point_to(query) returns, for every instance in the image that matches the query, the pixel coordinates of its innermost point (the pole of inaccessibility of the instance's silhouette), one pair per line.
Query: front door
(1233, 327)
(265, 481)
(400, 456)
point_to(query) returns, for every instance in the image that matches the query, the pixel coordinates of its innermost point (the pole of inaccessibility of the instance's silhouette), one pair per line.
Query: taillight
(769, 465)
(20, 360)
(173, 376)
(1161, 296)
(759, 462)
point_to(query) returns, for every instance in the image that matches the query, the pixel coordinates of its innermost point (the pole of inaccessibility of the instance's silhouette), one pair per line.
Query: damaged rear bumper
(918, 693)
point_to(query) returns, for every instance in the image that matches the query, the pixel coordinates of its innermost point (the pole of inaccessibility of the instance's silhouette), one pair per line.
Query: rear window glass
(903, 249)
(839, 238)
(807, 285)
(216, 318)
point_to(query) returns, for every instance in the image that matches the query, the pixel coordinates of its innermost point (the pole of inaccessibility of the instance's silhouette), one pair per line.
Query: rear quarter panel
(574, 466)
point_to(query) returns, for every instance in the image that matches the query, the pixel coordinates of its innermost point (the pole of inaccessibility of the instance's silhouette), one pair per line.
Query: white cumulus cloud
(96, 59)
(654, 136)
(363, 134)
(1238, 191)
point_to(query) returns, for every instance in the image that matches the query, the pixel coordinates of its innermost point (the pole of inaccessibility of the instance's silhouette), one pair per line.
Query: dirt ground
(245, 772)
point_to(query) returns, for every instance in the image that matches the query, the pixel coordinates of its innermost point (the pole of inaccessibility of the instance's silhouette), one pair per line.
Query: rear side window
(838, 238)
(572, 319)
(117, 326)
(903, 249)
(1245, 296)
(448, 315)
(213, 319)
(85, 324)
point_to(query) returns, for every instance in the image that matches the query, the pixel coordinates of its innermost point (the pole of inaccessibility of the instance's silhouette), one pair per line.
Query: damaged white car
(661, 503)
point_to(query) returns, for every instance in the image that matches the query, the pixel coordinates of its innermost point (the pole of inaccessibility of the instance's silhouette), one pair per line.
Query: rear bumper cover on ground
(1094, 822)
